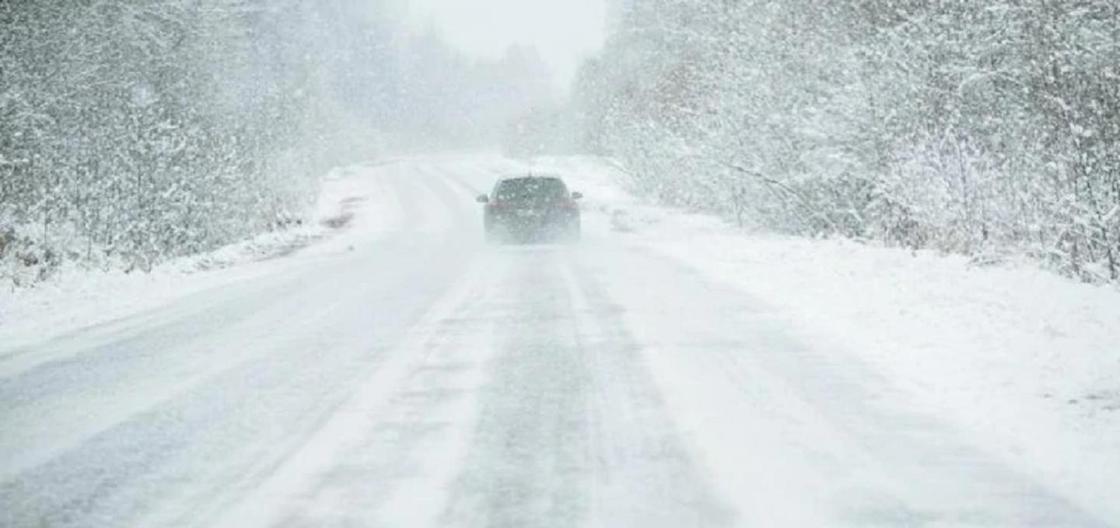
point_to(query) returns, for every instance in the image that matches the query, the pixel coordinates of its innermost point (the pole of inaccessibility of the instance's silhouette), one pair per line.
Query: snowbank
(78, 297)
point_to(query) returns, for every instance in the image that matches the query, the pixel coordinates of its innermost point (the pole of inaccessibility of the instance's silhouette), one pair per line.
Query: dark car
(531, 208)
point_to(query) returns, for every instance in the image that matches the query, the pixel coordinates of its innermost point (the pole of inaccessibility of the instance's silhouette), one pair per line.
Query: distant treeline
(985, 128)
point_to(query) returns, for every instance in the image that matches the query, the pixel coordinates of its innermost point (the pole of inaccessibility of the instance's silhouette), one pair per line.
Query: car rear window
(531, 189)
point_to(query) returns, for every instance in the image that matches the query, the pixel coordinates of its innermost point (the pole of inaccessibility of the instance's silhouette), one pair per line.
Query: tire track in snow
(571, 430)
(369, 445)
(208, 444)
(644, 474)
(798, 433)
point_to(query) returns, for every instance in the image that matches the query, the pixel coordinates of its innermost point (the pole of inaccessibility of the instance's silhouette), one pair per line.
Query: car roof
(532, 176)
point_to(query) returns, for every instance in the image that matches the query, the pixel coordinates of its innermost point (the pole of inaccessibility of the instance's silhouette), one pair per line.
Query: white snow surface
(1026, 360)
(385, 367)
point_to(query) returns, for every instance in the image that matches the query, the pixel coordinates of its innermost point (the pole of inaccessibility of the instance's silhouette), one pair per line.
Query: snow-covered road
(407, 374)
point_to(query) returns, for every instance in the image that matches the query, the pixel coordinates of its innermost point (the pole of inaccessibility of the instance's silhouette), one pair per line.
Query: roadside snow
(76, 298)
(1026, 361)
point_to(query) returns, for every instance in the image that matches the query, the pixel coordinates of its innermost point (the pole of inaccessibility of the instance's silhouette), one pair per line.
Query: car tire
(572, 232)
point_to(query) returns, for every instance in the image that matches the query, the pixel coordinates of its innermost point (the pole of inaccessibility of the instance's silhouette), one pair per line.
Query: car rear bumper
(533, 226)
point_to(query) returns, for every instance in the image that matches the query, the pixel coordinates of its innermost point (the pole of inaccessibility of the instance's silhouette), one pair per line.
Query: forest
(990, 129)
(134, 132)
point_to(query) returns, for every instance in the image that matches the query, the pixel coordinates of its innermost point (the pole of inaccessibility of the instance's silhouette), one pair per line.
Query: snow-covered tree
(131, 132)
(974, 127)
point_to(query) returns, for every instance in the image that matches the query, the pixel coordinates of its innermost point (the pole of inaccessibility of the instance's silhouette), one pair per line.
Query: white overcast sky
(563, 31)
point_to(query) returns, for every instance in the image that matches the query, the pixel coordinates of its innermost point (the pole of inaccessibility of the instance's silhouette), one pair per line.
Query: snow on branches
(975, 127)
